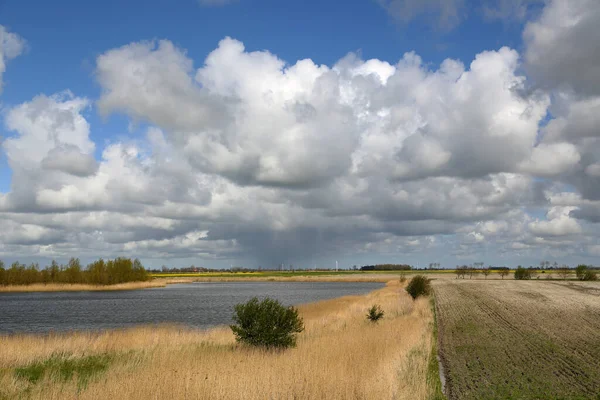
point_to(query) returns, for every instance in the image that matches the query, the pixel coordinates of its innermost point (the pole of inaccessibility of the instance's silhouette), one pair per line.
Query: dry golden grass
(340, 355)
(520, 339)
(366, 277)
(76, 287)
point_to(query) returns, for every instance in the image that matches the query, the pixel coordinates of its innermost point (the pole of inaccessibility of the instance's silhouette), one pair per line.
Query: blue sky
(65, 36)
(402, 164)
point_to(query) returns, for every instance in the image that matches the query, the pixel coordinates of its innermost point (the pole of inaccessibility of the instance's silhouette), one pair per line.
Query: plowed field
(519, 339)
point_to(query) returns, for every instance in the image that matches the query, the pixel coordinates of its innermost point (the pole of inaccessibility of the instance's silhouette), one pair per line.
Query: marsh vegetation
(339, 355)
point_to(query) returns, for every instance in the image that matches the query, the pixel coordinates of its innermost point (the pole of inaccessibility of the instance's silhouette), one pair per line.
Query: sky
(257, 133)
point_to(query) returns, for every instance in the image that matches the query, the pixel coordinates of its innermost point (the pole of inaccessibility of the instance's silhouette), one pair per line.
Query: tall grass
(78, 287)
(339, 356)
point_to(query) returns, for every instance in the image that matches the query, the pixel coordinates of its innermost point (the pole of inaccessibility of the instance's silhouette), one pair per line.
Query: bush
(419, 285)
(402, 277)
(522, 273)
(266, 323)
(590, 275)
(584, 273)
(375, 313)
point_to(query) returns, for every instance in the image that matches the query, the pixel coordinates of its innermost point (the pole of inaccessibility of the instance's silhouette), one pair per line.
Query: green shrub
(266, 323)
(522, 273)
(584, 273)
(419, 285)
(402, 277)
(590, 275)
(375, 313)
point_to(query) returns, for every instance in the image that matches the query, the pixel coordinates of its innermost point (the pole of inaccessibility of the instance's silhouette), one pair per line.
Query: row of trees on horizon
(101, 272)
(582, 272)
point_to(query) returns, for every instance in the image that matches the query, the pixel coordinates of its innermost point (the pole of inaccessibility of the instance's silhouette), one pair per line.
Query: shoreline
(339, 353)
(81, 287)
(164, 281)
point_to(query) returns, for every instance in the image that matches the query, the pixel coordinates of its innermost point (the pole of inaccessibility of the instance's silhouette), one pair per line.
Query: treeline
(386, 267)
(101, 272)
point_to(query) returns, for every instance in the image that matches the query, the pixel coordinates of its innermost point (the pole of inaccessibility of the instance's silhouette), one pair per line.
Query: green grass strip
(63, 369)
(433, 367)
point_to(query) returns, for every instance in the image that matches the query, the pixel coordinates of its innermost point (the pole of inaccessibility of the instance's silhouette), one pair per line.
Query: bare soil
(519, 339)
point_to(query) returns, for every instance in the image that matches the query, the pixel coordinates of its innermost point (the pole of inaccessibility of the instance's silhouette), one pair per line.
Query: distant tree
(419, 285)
(503, 272)
(563, 272)
(54, 270)
(73, 271)
(522, 273)
(580, 271)
(590, 275)
(99, 272)
(486, 272)
(473, 271)
(2, 274)
(461, 271)
(584, 273)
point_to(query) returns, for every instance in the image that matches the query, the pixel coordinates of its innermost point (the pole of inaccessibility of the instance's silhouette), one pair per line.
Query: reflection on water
(196, 304)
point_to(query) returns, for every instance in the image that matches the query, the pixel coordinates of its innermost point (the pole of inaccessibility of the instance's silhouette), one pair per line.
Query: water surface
(202, 304)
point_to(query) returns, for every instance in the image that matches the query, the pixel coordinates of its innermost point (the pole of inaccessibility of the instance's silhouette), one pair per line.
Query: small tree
(564, 272)
(375, 313)
(461, 271)
(402, 277)
(473, 272)
(419, 285)
(503, 272)
(266, 323)
(580, 271)
(486, 272)
(584, 273)
(590, 275)
(522, 273)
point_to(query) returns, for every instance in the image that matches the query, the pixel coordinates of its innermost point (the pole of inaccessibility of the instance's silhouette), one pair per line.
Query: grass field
(339, 356)
(519, 340)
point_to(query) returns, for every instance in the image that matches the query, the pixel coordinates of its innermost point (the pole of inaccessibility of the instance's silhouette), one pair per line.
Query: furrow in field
(518, 340)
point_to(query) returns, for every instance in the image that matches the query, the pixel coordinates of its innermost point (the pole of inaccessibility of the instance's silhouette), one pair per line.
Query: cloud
(563, 46)
(562, 56)
(71, 160)
(573, 133)
(247, 156)
(558, 223)
(271, 119)
(11, 46)
(551, 159)
(509, 9)
(446, 13)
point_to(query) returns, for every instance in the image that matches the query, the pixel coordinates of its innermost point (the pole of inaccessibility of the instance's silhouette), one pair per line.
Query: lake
(202, 304)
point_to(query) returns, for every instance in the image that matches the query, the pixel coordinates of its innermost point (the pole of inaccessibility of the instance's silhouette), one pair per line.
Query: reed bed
(340, 355)
(77, 287)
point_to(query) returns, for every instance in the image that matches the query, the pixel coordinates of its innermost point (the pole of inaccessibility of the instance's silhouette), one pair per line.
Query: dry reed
(340, 355)
(80, 287)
